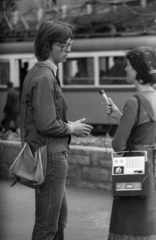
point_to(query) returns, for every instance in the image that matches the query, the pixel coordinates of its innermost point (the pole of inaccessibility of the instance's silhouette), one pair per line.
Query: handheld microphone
(102, 92)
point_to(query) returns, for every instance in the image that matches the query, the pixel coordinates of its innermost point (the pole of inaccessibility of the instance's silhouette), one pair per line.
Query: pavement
(88, 212)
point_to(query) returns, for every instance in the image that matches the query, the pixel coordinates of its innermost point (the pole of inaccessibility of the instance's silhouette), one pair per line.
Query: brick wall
(88, 166)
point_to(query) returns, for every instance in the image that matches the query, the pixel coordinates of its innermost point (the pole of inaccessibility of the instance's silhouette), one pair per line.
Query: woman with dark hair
(134, 218)
(44, 121)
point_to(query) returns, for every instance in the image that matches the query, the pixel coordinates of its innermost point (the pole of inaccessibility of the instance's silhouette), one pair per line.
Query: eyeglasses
(66, 46)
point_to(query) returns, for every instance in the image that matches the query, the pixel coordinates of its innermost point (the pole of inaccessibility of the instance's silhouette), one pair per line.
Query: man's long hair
(48, 33)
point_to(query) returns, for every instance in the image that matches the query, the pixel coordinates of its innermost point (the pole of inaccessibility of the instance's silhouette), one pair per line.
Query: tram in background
(93, 64)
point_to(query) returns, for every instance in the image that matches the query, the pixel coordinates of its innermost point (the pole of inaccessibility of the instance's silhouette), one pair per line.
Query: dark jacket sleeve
(45, 110)
(8, 103)
(126, 124)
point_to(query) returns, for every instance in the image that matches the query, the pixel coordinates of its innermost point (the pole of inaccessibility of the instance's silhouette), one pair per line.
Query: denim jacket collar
(51, 65)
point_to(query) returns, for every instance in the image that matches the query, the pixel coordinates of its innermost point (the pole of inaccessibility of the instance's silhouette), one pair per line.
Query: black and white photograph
(77, 120)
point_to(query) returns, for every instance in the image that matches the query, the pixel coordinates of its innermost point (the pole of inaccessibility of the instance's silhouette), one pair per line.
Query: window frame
(14, 66)
(95, 56)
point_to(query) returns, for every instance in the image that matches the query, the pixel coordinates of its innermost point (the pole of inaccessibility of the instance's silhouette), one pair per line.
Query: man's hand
(81, 129)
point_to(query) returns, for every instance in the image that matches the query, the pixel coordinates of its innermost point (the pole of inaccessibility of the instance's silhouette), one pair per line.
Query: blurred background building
(20, 19)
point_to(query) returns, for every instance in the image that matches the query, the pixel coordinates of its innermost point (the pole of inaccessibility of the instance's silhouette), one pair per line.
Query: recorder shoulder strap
(138, 111)
(129, 143)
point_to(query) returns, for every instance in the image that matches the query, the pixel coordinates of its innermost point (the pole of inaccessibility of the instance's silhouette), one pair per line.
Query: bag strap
(23, 100)
(138, 111)
(129, 143)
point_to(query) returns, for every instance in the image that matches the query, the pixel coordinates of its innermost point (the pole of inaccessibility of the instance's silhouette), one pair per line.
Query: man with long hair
(45, 121)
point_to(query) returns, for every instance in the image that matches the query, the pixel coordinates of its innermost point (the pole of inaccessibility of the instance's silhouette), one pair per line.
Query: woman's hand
(112, 110)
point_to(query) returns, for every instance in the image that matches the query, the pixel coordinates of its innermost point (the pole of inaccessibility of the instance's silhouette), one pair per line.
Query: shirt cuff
(71, 128)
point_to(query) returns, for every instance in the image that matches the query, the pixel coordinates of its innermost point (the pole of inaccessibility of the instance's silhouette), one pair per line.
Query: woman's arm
(126, 124)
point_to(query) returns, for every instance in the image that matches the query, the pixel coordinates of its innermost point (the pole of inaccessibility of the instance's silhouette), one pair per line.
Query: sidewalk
(88, 217)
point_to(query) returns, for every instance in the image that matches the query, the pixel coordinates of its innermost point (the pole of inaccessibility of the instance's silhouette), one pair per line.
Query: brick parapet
(90, 167)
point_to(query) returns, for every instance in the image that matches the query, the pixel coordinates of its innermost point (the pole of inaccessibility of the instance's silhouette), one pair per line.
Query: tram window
(112, 70)
(4, 72)
(78, 71)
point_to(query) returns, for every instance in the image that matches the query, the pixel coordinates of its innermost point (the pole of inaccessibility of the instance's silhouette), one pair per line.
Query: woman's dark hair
(48, 33)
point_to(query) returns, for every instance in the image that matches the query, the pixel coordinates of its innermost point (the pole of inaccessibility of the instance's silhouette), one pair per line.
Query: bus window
(78, 71)
(112, 70)
(4, 72)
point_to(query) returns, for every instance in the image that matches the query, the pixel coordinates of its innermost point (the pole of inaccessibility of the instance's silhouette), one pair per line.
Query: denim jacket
(43, 111)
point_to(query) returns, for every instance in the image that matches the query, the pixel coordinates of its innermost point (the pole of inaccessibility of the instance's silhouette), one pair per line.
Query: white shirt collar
(52, 66)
